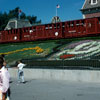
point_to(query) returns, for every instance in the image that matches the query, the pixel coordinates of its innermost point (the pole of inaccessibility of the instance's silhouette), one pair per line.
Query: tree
(22, 16)
(3, 20)
(5, 17)
(14, 13)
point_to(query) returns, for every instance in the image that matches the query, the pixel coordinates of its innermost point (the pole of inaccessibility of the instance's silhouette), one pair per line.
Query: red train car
(82, 28)
(67, 29)
(41, 32)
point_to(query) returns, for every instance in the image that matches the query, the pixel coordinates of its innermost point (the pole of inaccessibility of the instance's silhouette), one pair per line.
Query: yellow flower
(37, 48)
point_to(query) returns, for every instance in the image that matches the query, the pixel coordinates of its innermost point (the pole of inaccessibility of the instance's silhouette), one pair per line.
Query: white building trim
(93, 3)
(84, 4)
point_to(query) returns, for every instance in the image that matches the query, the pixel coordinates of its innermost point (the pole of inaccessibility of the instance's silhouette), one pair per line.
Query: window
(93, 2)
(12, 25)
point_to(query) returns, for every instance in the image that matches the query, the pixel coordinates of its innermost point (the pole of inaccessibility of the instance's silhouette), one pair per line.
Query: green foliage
(26, 54)
(5, 17)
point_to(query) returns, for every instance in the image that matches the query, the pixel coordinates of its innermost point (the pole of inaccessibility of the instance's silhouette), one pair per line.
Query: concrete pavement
(38, 89)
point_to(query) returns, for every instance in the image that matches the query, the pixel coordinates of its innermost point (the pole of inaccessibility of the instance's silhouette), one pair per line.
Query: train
(60, 30)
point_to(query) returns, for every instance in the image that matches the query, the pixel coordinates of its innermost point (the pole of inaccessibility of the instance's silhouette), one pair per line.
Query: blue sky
(46, 9)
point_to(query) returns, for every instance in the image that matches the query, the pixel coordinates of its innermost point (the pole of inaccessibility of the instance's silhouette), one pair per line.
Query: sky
(46, 9)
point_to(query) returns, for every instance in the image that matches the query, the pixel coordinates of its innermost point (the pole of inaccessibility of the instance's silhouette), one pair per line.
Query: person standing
(5, 64)
(4, 80)
(20, 72)
(6, 68)
(8, 91)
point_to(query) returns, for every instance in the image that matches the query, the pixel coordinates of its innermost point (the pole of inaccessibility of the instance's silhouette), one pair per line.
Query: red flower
(66, 56)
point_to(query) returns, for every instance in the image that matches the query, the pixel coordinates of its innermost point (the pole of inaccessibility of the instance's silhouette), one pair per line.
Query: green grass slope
(34, 50)
(26, 50)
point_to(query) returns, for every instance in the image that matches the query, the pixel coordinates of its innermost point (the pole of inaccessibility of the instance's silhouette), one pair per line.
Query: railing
(63, 64)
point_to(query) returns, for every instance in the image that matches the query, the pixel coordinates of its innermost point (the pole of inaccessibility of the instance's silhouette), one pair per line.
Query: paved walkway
(54, 90)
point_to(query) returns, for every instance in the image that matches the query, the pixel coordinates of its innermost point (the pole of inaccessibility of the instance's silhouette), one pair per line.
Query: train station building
(91, 8)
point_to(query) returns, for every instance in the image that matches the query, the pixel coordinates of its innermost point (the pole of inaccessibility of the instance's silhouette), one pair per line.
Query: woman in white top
(4, 80)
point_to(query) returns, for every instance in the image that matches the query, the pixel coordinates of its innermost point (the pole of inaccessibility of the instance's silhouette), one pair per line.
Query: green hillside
(43, 50)
(27, 50)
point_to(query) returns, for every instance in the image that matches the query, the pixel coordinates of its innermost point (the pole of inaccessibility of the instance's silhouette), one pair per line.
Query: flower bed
(38, 50)
(65, 56)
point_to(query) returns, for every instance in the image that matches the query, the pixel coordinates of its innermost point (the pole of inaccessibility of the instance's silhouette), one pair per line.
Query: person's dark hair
(3, 55)
(1, 61)
(20, 61)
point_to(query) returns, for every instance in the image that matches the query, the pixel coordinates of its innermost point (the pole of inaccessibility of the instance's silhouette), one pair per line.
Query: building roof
(88, 5)
(17, 23)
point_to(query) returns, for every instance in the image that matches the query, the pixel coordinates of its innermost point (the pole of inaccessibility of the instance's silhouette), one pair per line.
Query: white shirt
(4, 79)
(20, 66)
